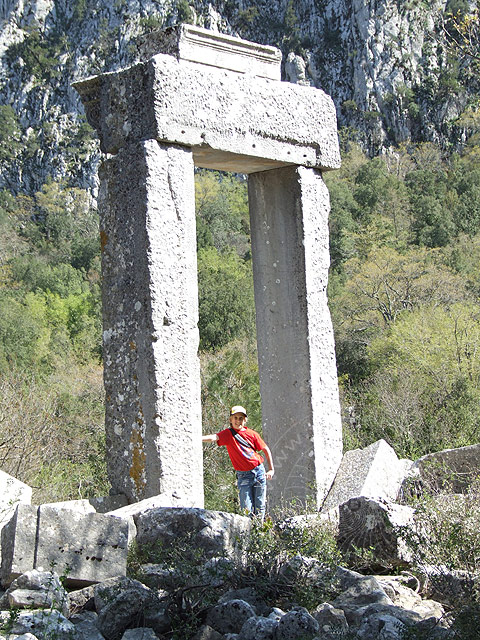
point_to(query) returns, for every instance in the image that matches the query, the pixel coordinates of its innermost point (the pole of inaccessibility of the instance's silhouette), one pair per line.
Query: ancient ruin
(214, 101)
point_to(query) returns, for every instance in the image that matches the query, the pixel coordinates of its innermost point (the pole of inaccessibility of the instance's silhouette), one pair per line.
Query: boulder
(37, 589)
(214, 532)
(332, 622)
(86, 547)
(295, 624)
(229, 617)
(124, 602)
(86, 626)
(451, 470)
(44, 624)
(258, 629)
(79, 506)
(356, 591)
(365, 523)
(382, 627)
(207, 633)
(140, 633)
(82, 599)
(373, 472)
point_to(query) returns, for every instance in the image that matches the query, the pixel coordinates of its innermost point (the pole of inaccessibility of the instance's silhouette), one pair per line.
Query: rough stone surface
(12, 492)
(172, 499)
(140, 633)
(229, 617)
(189, 42)
(86, 626)
(43, 624)
(93, 546)
(214, 532)
(82, 599)
(80, 506)
(372, 524)
(104, 504)
(247, 127)
(296, 624)
(450, 470)
(298, 378)
(258, 629)
(128, 606)
(207, 633)
(330, 620)
(150, 314)
(374, 472)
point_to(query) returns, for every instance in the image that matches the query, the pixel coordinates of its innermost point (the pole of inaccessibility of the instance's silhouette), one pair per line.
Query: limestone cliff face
(378, 60)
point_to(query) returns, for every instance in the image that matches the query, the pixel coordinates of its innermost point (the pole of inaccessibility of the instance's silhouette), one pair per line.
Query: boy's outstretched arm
(212, 437)
(268, 456)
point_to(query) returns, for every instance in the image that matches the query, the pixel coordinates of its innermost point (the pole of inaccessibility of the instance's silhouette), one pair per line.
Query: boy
(242, 446)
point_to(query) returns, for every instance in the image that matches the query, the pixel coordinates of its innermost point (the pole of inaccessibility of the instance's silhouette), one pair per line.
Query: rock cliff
(382, 61)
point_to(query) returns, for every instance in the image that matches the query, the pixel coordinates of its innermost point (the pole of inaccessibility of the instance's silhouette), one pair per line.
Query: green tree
(226, 308)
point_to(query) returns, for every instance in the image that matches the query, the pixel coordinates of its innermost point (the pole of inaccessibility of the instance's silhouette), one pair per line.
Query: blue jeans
(252, 491)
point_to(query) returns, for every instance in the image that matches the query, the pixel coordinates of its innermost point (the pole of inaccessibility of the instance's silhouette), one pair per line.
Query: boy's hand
(269, 474)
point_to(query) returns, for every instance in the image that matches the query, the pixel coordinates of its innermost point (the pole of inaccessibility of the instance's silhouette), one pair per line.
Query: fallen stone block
(140, 633)
(229, 617)
(374, 472)
(80, 506)
(104, 504)
(162, 500)
(12, 492)
(86, 626)
(452, 470)
(213, 532)
(43, 624)
(86, 548)
(370, 524)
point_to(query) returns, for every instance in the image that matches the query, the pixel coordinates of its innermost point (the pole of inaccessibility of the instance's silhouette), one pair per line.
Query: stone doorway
(216, 102)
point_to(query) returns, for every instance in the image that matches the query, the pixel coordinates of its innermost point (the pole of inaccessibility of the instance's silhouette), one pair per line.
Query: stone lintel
(188, 42)
(254, 124)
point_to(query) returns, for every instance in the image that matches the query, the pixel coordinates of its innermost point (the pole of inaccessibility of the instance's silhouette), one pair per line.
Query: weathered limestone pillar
(150, 312)
(298, 380)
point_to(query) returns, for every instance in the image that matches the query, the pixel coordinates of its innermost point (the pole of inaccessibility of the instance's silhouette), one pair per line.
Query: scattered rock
(214, 532)
(229, 617)
(295, 624)
(366, 523)
(258, 629)
(373, 472)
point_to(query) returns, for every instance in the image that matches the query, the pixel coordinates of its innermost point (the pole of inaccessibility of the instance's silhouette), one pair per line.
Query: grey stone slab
(12, 492)
(365, 523)
(80, 506)
(189, 42)
(87, 548)
(373, 472)
(231, 121)
(150, 315)
(104, 504)
(18, 543)
(215, 532)
(452, 470)
(298, 378)
(163, 500)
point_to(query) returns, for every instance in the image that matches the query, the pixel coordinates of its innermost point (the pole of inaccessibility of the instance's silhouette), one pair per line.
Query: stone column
(150, 314)
(298, 381)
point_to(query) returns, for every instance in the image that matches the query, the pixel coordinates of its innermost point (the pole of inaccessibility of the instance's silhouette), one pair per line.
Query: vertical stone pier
(298, 381)
(150, 314)
(210, 100)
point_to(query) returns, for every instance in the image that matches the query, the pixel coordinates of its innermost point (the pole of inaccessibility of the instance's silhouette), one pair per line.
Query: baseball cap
(238, 409)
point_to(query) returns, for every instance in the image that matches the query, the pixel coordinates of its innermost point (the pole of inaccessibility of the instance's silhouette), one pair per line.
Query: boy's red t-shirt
(243, 458)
